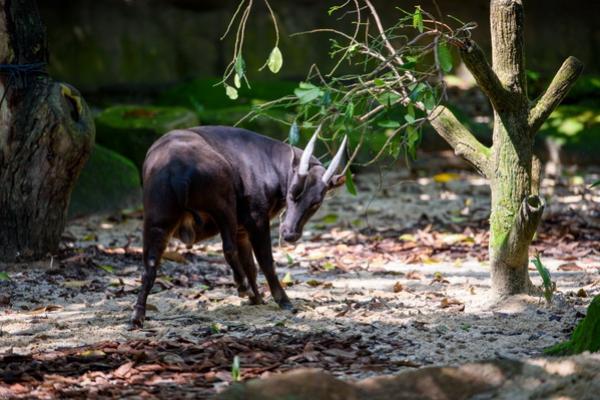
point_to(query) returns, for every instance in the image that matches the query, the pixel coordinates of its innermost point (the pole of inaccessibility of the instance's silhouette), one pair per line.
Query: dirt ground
(392, 279)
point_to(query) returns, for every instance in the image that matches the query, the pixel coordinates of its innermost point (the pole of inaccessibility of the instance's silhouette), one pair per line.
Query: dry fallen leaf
(414, 275)
(446, 302)
(398, 287)
(92, 353)
(43, 309)
(571, 266)
(174, 256)
(76, 284)
(123, 370)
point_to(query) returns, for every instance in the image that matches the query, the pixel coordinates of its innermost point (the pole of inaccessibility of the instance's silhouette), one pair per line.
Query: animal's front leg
(260, 237)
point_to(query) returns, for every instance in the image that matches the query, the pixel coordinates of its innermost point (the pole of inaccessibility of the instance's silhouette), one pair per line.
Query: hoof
(288, 306)
(255, 301)
(137, 321)
(244, 292)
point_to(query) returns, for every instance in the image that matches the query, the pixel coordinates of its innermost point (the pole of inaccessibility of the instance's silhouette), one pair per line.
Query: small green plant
(586, 336)
(4, 276)
(549, 286)
(235, 369)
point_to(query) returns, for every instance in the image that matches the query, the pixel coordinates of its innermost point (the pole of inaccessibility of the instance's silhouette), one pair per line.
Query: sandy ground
(400, 269)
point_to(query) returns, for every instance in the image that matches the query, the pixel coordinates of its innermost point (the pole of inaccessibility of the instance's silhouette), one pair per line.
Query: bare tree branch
(486, 78)
(462, 141)
(557, 90)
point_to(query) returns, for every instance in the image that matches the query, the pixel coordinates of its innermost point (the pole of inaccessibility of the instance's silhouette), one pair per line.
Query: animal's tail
(181, 188)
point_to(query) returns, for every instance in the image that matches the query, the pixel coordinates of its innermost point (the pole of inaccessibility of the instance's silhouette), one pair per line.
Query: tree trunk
(46, 134)
(510, 166)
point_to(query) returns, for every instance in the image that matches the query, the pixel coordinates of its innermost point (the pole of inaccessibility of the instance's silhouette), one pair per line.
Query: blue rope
(19, 73)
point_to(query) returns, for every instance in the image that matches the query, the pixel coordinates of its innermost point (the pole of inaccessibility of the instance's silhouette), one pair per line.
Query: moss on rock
(586, 336)
(108, 182)
(130, 130)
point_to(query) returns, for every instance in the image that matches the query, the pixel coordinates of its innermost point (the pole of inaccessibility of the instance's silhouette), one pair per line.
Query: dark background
(103, 44)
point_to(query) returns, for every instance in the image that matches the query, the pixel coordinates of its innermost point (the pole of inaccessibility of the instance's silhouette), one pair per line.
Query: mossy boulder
(108, 182)
(586, 336)
(130, 130)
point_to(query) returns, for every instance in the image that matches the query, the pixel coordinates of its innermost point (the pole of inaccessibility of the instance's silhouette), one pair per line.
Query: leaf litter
(390, 279)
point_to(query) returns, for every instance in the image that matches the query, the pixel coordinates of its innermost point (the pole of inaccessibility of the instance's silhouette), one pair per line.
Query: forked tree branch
(486, 78)
(557, 90)
(462, 141)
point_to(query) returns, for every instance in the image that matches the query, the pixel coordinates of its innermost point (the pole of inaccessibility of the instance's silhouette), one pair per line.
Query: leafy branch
(394, 82)
(237, 66)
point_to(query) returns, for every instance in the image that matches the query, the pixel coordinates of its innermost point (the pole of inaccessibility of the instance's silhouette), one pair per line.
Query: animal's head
(307, 189)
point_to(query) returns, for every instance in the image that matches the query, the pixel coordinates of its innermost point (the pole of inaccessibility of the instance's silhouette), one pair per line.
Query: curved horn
(307, 153)
(335, 162)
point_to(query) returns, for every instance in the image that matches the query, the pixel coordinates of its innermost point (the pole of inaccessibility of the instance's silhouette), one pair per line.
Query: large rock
(109, 182)
(130, 130)
(575, 377)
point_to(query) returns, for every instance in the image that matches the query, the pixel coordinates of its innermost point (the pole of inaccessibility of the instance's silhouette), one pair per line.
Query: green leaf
(231, 92)
(410, 114)
(410, 62)
(328, 266)
(4, 276)
(444, 57)
(597, 183)
(412, 138)
(287, 279)
(235, 369)
(290, 259)
(350, 110)
(542, 270)
(379, 82)
(333, 9)
(387, 99)
(330, 219)
(350, 187)
(294, 135)
(429, 101)
(107, 268)
(307, 92)
(275, 60)
(416, 91)
(240, 66)
(389, 124)
(549, 286)
(215, 327)
(418, 19)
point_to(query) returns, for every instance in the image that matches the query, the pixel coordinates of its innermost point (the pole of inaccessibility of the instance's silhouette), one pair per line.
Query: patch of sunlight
(562, 368)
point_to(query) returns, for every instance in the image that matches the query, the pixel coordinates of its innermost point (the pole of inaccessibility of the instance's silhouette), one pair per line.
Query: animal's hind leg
(228, 227)
(156, 237)
(247, 260)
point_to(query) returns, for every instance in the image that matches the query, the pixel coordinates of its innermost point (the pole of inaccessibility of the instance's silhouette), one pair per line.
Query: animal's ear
(336, 181)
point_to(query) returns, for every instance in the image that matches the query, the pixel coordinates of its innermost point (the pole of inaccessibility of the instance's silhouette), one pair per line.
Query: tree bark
(46, 135)
(510, 166)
